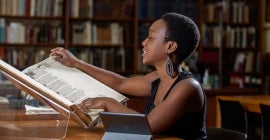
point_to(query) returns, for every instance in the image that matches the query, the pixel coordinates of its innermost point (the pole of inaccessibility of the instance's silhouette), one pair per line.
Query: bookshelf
(28, 29)
(100, 32)
(108, 33)
(231, 39)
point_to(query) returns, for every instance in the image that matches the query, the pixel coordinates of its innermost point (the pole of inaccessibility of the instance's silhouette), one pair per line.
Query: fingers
(63, 56)
(91, 103)
(57, 53)
(57, 49)
(86, 105)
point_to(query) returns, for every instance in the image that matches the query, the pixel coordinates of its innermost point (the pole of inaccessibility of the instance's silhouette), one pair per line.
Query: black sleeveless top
(191, 125)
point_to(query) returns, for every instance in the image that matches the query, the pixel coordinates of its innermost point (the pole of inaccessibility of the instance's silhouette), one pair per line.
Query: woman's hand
(64, 56)
(94, 103)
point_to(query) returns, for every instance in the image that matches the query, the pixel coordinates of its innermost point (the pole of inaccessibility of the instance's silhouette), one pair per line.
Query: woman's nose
(143, 42)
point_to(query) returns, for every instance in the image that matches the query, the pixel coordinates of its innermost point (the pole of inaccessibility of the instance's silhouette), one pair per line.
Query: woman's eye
(150, 37)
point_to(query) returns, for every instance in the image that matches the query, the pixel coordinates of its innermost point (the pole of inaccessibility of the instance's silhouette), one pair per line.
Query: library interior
(231, 61)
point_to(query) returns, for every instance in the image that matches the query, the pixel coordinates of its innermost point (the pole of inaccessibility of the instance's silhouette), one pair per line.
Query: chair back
(265, 115)
(233, 116)
(214, 133)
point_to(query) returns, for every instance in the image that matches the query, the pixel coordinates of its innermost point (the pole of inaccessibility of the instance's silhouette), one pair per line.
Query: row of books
(115, 59)
(244, 81)
(23, 57)
(118, 59)
(155, 8)
(226, 11)
(17, 32)
(102, 8)
(230, 37)
(240, 61)
(31, 7)
(88, 33)
(82, 33)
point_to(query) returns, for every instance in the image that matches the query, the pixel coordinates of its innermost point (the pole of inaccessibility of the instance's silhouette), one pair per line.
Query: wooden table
(37, 131)
(75, 132)
(16, 125)
(250, 103)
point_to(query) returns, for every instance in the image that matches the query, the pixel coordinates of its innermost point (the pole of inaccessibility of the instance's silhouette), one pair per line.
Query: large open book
(61, 87)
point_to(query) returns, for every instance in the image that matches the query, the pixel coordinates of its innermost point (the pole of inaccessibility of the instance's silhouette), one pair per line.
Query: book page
(70, 83)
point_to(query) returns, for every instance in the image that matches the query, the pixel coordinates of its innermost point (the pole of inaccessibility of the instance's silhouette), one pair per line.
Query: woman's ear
(172, 46)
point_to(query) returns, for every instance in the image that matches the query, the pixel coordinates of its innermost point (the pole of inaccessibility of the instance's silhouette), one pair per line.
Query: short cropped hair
(184, 31)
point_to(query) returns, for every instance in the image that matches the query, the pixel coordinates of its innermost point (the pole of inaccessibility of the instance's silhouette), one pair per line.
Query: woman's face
(154, 46)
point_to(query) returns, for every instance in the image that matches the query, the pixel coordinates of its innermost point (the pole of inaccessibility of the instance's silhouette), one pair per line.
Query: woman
(177, 102)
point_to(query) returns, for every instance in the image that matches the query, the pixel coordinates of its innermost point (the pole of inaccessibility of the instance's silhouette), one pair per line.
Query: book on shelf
(244, 62)
(61, 87)
(228, 11)
(249, 62)
(2, 30)
(81, 8)
(18, 32)
(74, 8)
(239, 62)
(233, 36)
(77, 33)
(267, 41)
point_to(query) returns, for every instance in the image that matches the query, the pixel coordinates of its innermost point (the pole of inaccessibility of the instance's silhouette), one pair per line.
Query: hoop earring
(169, 66)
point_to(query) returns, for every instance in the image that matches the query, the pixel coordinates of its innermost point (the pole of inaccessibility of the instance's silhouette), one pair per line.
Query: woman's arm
(137, 86)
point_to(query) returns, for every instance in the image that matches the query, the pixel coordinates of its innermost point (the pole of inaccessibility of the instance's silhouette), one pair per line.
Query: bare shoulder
(191, 85)
(190, 91)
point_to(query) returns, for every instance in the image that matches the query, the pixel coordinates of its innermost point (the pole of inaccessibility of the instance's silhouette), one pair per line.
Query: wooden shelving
(80, 19)
(232, 29)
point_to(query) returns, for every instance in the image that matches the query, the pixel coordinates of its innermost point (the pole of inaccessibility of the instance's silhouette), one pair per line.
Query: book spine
(2, 30)
(267, 41)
